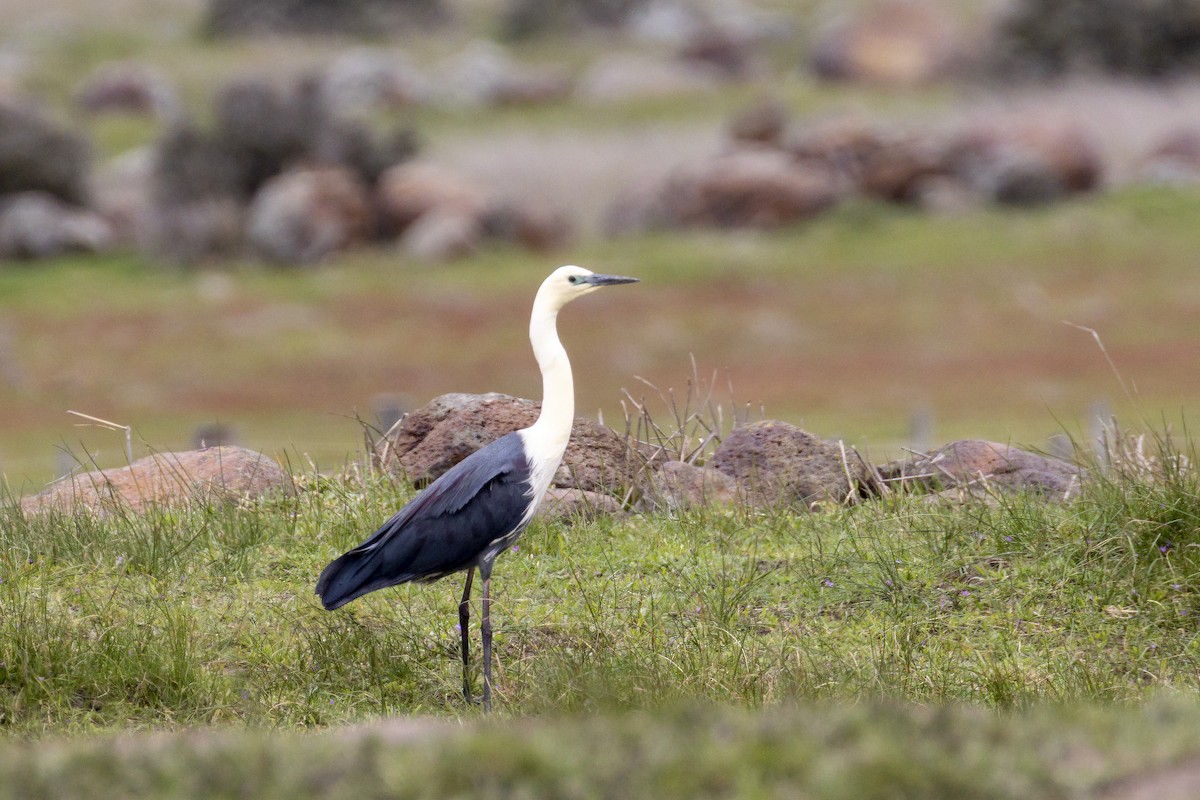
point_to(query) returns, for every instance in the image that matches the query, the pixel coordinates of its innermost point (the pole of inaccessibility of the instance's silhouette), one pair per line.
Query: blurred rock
(39, 156)
(39, 225)
(628, 76)
(218, 474)
(749, 188)
(128, 87)
(302, 216)
(1028, 163)
(945, 196)
(1175, 161)
(191, 231)
(888, 42)
(264, 127)
(408, 191)
(987, 466)
(485, 74)
(365, 80)
(541, 230)
(896, 167)
(730, 52)
(442, 235)
(762, 123)
(122, 191)
(526, 19)
(320, 17)
(775, 464)
(191, 165)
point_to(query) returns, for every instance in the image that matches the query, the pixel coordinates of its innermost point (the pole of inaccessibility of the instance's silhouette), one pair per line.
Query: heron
(478, 508)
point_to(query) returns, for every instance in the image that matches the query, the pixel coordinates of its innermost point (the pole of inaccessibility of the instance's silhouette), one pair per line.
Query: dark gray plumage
(464, 519)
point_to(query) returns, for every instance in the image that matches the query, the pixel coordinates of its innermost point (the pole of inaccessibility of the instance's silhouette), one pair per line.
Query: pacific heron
(476, 510)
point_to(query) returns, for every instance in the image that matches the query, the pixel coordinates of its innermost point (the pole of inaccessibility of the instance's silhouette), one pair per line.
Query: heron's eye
(574, 279)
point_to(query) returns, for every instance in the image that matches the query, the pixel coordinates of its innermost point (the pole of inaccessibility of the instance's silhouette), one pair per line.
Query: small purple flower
(457, 627)
(516, 548)
(966, 593)
(828, 583)
(1177, 587)
(888, 582)
(1008, 538)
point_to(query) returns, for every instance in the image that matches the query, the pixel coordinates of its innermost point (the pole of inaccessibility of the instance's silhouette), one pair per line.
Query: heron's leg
(486, 627)
(464, 617)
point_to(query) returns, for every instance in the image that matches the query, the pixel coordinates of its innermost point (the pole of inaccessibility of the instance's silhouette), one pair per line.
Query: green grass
(205, 615)
(822, 752)
(897, 648)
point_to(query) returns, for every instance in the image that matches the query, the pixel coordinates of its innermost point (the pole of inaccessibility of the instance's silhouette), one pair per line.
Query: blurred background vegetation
(255, 221)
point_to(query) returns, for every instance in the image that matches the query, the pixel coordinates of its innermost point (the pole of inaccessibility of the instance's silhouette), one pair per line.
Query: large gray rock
(976, 464)
(303, 216)
(777, 464)
(679, 486)
(432, 439)
(37, 155)
(39, 225)
(165, 479)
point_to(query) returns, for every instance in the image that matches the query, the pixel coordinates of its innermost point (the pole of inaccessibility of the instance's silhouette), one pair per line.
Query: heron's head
(569, 282)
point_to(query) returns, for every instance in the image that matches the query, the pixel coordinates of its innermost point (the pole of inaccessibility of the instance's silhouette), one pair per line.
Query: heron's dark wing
(444, 529)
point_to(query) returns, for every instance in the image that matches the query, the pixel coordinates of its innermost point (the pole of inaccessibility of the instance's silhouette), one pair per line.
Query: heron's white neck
(550, 433)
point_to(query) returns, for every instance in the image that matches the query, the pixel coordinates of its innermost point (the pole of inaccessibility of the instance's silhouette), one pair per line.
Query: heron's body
(478, 508)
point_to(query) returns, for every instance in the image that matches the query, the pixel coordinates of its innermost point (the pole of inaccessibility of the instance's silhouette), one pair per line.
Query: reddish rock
(407, 191)
(978, 465)
(888, 42)
(165, 479)
(775, 463)
(762, 123)
(727, 50)
(749, 188)
(305, 215)
(451, 427)
(897, 168)
(1029, 163)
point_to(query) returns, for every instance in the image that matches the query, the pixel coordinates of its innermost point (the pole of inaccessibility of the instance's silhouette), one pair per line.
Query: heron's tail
(350, 576)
